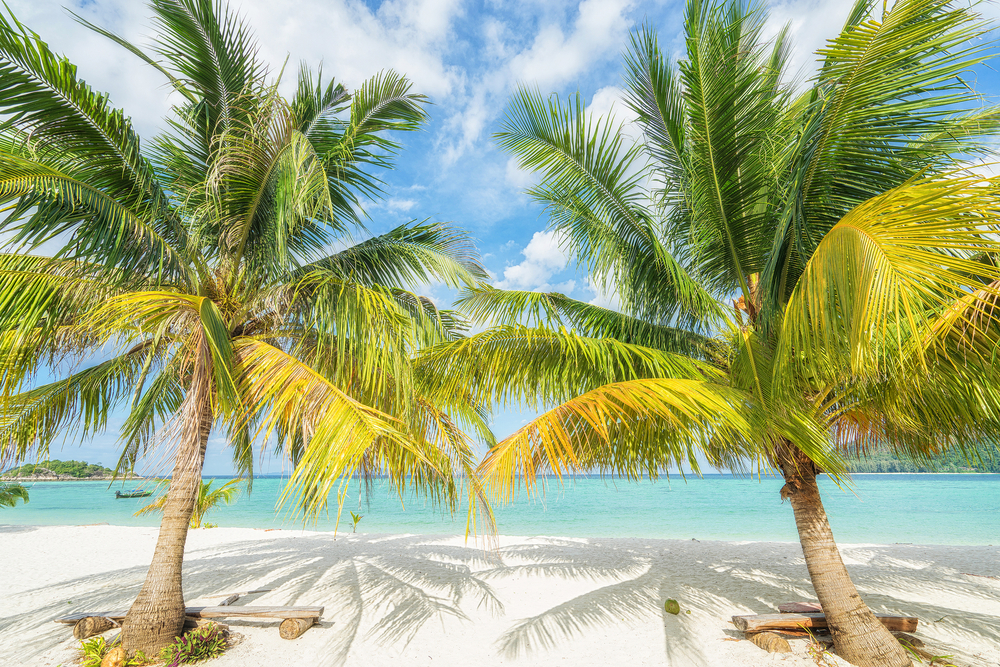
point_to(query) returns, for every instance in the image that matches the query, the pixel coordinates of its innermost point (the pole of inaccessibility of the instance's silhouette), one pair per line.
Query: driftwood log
(762, 622)
(292, 628)
(92, 625)
(770, 642)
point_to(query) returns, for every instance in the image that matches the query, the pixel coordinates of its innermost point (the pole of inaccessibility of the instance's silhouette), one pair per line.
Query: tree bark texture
(858, 636)
(157, 615)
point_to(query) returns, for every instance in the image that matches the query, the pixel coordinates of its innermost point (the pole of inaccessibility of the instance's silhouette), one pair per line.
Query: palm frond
(79, 405)
(151, 410)
(731, 83)
(341, 437)
(105, 230)
(507, 307)
(10, 493)
(41, 301)
(889, 103)
(45, 100)
(592, 186)
(315, 108)
(653, 92)
(382, 105)
(213, 53)
(539, 366)
(887, 277)
(409, 255)
(631, 429)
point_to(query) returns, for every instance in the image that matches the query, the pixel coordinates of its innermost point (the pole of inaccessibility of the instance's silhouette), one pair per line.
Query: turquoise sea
(919, 509)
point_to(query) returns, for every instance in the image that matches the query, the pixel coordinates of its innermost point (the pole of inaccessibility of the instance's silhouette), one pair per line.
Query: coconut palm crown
(209, 280)
(804, 272)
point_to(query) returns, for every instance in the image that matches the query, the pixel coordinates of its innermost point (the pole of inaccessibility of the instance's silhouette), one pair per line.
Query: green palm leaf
(507, 307)
(889, 104)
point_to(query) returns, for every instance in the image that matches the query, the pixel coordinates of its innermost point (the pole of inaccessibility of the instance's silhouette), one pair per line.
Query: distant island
(58, 471)
(987, 460)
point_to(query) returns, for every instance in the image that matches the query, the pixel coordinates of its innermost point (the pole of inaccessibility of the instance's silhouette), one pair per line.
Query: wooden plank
(233, 597)
(762, 622)
(216, 612)
(254, 612)
(800, 608)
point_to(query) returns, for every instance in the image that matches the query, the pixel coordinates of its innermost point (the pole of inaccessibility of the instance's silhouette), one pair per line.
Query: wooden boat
(134, 493)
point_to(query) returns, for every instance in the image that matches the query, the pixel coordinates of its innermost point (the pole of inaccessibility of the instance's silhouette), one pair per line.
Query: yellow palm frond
(633, 428)
(341, 435)
(886, 275)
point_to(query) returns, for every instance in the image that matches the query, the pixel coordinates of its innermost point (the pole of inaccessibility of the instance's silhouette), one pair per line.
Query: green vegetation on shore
(77, 469)
(987, 460)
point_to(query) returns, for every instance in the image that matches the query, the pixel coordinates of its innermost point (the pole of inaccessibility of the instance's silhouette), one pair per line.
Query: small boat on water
(134, 493)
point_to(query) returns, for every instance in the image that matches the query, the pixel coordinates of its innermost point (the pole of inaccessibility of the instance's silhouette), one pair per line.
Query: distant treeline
(73, 468)
(986, 460)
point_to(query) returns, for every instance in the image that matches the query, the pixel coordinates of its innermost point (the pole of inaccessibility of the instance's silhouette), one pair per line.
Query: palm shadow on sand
(409, 582)
(388, 588)
(712, 582)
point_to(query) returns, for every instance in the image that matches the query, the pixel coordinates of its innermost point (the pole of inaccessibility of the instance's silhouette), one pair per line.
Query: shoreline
(435, 599)
(479, 539)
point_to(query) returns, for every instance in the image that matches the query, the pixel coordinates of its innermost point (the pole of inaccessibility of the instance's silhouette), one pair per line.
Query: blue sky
(467, 57)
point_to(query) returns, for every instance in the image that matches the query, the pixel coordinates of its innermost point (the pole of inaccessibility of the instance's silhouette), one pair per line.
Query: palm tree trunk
(157, 615)
(858, 636)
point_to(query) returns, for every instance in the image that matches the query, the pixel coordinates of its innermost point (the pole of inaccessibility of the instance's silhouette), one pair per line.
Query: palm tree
(9, 493)
(207, 499)
(803, 274)
(210, 282)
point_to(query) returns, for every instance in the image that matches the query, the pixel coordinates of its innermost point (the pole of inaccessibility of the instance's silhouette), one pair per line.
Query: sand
(435, 600)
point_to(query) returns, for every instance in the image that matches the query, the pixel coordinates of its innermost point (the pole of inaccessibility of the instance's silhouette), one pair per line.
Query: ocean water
(920, 509)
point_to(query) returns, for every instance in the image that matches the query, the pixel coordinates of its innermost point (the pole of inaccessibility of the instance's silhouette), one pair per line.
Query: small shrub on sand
(96, 648)
(207, 641)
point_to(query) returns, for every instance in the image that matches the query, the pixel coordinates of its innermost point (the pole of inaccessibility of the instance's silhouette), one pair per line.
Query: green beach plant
(355, 518)
(210, 282)
(804, 272)
(10, 493)
(202, 643)
(94, 650)
(207, 499)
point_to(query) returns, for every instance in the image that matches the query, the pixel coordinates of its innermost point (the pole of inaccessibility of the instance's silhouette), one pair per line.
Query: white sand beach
(431, 600)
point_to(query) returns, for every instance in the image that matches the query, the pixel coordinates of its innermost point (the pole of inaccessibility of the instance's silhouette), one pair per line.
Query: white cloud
(555, 57)
(356, 42)
(564, 287)
(400, 205)
(353, 42)
(543, 258)
(517, 178)
(609, 102)
(812, 23)
(602, 297)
